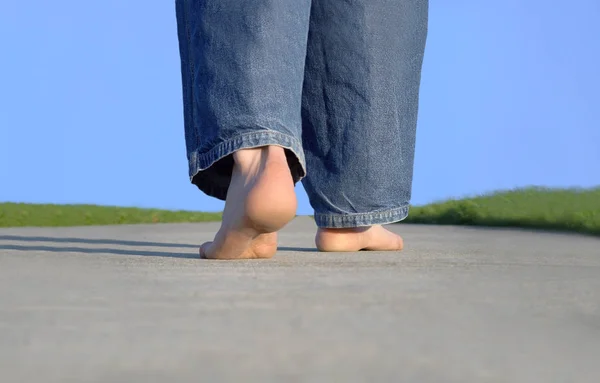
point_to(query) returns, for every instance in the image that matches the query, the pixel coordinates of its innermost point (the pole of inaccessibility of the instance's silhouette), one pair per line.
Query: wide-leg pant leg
(359, 108)
(242, 66)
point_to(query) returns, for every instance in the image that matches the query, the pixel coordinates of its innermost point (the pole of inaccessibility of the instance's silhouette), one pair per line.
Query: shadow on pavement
(92, 241)
(298, 249)
(86, 250)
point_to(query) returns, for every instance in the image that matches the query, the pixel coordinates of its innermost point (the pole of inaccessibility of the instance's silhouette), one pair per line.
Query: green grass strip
(20, 214)
(573, 210)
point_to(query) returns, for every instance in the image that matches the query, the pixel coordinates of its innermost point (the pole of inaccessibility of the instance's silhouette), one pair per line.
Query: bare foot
(375, 238)
(263, 246)
(260, 201)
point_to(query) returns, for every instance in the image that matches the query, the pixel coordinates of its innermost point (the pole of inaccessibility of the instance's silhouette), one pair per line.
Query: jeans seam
(219, 151)
(191, 62)
(347, 220)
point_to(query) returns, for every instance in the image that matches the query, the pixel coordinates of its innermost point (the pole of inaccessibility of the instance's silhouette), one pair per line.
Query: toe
(392, 242)
(400, 243)
(381, 239)
(203, 250)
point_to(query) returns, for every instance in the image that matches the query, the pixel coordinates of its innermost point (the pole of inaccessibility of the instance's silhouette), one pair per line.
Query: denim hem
(216, 184)
(340, 221)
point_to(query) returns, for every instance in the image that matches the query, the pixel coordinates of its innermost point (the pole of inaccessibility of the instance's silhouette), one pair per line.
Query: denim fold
(335, 83)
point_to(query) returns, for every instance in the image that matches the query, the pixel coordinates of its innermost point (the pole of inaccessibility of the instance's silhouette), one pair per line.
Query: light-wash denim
(335, 82)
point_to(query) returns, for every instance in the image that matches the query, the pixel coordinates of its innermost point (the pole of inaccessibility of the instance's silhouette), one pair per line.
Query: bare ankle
(254, 158)
(345, 230)
(248, 158)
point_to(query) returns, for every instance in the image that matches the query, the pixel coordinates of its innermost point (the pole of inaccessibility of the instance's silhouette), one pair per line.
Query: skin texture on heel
(375, 238)
(260, 201)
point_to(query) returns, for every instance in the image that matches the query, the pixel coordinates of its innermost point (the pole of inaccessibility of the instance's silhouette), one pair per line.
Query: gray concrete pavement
(133, 304)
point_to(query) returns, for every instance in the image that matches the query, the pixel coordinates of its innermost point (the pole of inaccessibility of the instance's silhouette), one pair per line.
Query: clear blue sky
(90, 101)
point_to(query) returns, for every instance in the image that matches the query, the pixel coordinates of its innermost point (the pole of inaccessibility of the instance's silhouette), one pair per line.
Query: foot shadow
(92, 241)
(109, 250)
(297, 249)
(102, 250)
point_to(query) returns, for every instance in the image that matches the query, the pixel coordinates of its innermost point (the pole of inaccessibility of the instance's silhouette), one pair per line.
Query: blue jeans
(334, 82)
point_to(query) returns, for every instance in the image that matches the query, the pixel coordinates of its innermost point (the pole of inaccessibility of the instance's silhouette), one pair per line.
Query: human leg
(242, 68)
(359, 112)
